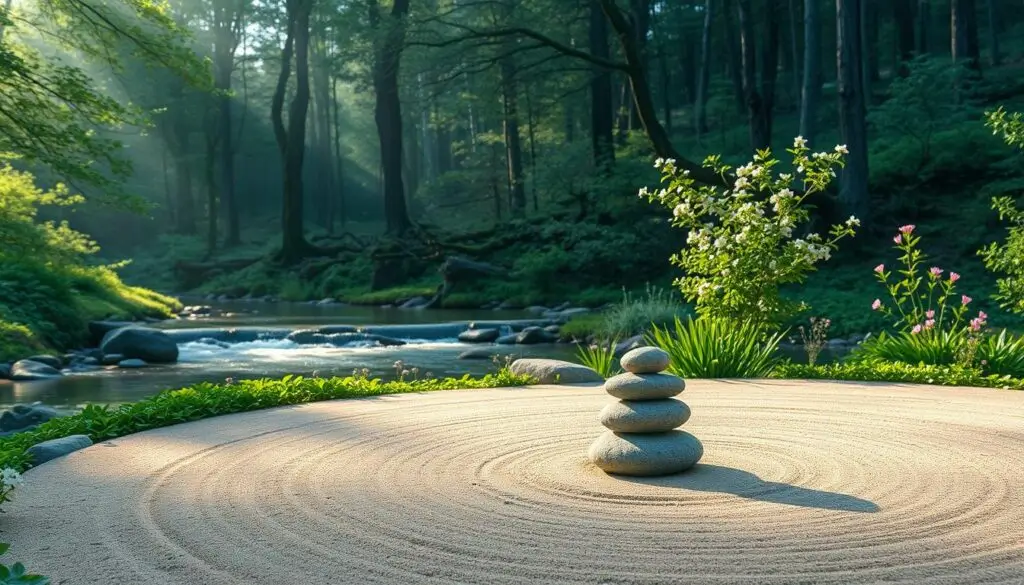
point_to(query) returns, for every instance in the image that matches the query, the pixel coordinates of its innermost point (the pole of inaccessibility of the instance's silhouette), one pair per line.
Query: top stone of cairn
(645, 360)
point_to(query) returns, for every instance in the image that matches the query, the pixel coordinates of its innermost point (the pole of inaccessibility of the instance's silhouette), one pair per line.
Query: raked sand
(800, 483)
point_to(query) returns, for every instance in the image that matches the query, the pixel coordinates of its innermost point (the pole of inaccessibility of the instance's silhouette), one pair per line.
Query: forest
(463, 153)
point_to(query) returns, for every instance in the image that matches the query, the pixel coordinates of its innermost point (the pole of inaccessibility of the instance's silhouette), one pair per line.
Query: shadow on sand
(727, 480)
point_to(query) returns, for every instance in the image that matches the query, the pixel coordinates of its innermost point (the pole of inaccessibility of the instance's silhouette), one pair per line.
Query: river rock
(52, 449)
(646, 454)
(23, 416)
(644, 416)
(151, 345)
(98, 329)
(506, 340)
(132, 364)
(532, 335)
(28, 370)
(645, 360)
(5, 371)
(479, 335)
(50, 360)
(547, 371)
(630, 386)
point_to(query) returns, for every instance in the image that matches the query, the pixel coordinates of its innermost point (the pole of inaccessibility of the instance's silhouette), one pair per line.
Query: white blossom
(799, 142)
(841, 149)
(10, 477)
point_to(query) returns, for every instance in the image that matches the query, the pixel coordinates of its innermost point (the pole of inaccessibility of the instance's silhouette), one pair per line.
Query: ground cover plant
(716, 347)
(206, 400)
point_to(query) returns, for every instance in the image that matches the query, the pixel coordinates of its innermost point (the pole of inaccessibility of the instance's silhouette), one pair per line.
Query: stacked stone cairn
(642, 438)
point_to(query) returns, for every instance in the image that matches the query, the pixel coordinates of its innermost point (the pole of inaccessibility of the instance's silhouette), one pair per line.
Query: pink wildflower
(907, 229)
(880, 268)
(898, 239)
(953, 277)
(936, 271)
(876, 305)
(930, 313)
(982, 315)
(976, 324)
(964, 299)
(916, 329)
(929, 323)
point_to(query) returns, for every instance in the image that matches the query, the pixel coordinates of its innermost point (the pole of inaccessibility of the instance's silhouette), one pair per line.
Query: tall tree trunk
(923, 26)
(210, 178)
(339, 177)
(185, 217)
(601, 109)
(993, 34)
(853, 192)
(700, 116)
(291, 140)
(811, 93)
(388, 111)
(531, 120)
(640, 10)
(759, 99)
(903, 16)
(964, 33)
(227, 23)
(735, 58)
(794, 39)
(322, 130)
(513, 144)
(868, 34)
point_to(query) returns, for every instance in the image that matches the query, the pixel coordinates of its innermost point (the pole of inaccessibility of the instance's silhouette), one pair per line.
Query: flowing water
(261, 351)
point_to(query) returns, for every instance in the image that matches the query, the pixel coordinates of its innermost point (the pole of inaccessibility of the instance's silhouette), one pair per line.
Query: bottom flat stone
(645, 453)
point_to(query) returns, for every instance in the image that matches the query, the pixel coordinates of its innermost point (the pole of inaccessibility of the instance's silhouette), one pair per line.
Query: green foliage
(52, 109)
(48, 292)
(919, 106)
(599, 357)
(1006, 259)
(922, 304)
(883, 371)
(1000, 355)
(633, 315)
(16, 574)
(713, 347)
(742, 245)
(206, 400)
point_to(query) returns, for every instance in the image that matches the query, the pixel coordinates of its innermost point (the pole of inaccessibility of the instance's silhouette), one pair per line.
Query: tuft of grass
(632, 315)
(883, 371)
(207, 400)
(600, 358)
(717, 348)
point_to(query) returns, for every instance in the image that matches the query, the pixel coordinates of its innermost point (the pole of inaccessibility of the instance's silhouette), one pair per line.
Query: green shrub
(882, 371)
(48, 290)
(1006, 259)
(599, 357)
(205, 400)
(746, 242)
(713, 347)
(932, 347)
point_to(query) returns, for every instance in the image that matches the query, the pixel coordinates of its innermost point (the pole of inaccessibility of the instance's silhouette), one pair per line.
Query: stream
(267, 356)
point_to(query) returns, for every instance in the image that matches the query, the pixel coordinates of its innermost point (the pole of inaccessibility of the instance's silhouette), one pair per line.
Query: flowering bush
(745, 241)
(1007, 258)
(922, 304)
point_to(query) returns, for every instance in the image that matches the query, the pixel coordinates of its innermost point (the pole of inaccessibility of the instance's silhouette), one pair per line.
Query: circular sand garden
(799, 483)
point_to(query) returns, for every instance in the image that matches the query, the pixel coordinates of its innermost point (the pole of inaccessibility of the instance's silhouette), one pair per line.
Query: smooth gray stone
(644, 416)
(28, 370)
(555, 371)
(151, 345)
(478, 353)
(23, 416)
(631, 386)
(50, 360)
(54, 448)
(479, 335)
(506, 340)
(112, 359)
(645, 454)
(645, 360)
